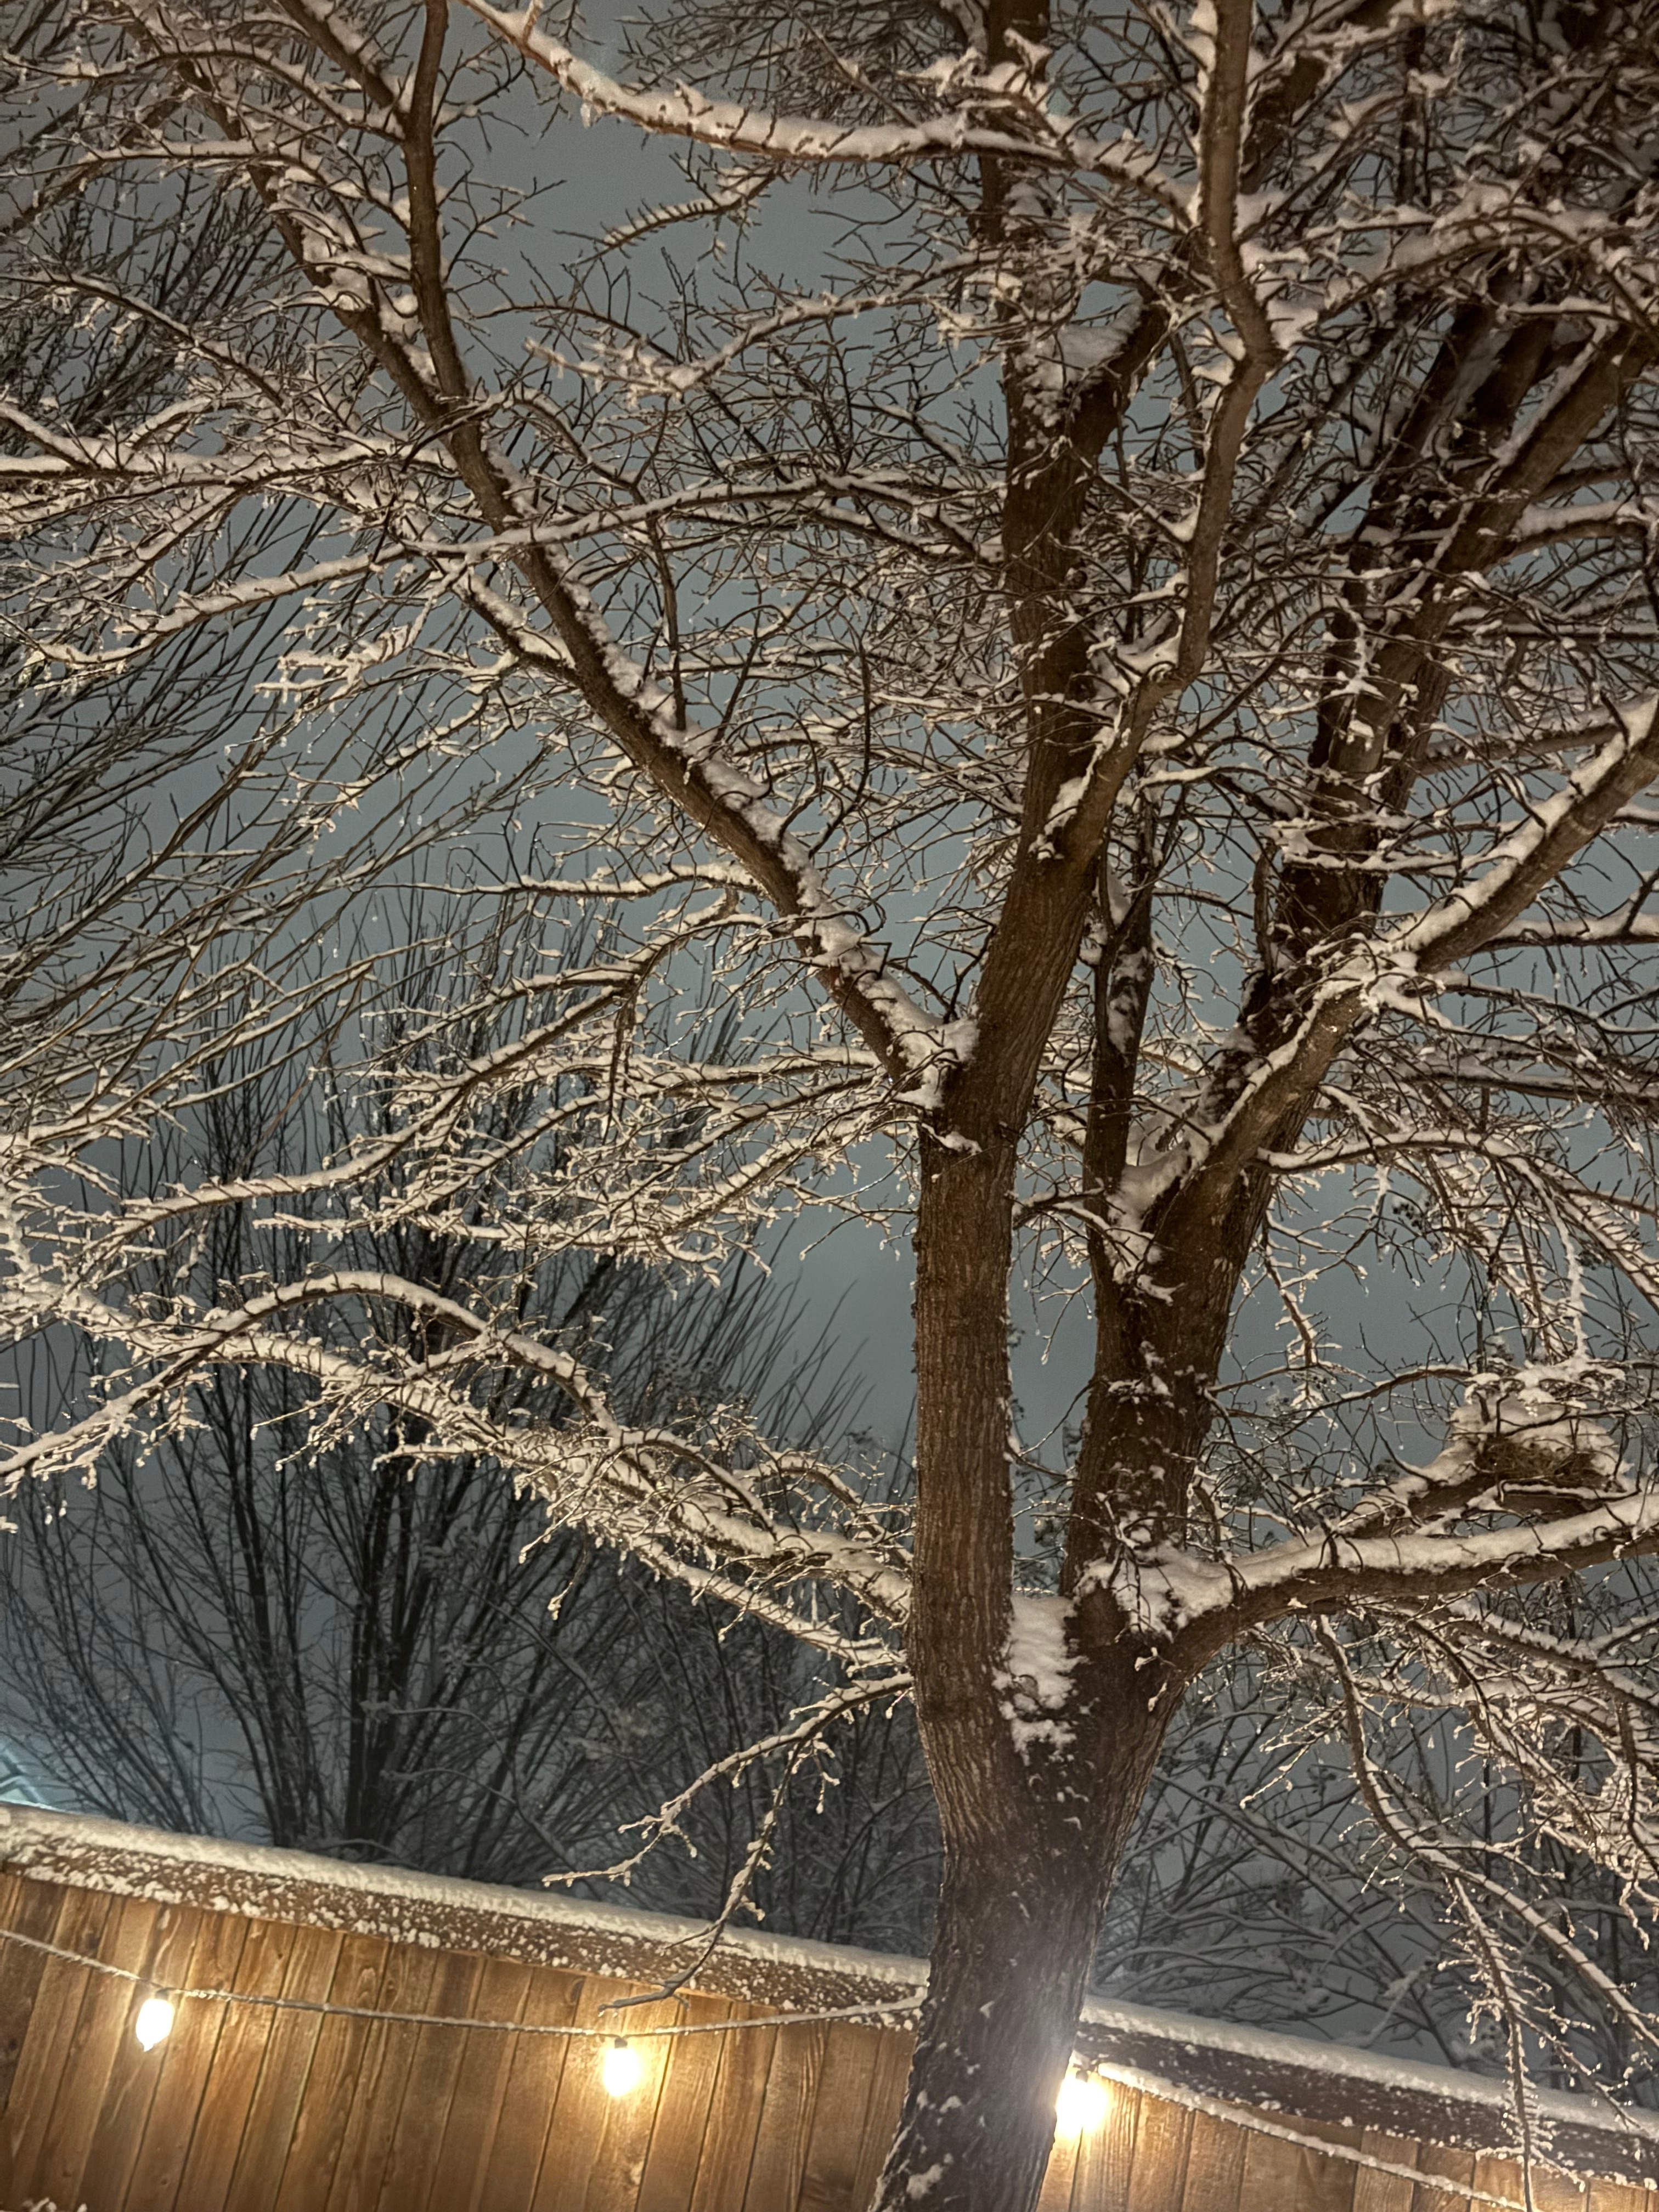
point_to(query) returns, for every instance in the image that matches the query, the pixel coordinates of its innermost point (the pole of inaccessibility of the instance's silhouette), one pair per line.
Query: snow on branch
(1523, 865)
(641, 1487)
(1043, 135)
(1561, 1507)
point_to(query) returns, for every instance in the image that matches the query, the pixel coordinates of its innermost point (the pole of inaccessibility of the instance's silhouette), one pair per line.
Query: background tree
(1157, 775)
(244, 1629)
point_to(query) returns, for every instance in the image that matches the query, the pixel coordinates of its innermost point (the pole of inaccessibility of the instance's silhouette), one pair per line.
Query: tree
(1131, 667)
(238, 1629)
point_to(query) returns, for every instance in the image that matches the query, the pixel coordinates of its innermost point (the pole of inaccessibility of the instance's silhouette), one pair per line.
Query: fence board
(1384, 2192)
(244, 2033)
(1215, 2166)
(32, 1908)
(687, 2092)
(887, 2096)
(112, 2142)
(430, 2074)
(475, 2103)
(1503, 2177)
(577, 2119)
(1326, 2184)
(625, 2124)
(728, 2142)
(1059, 2175)
(319, 2084)
(1449, 2167)
(1157, 2172)
(188, 2061)
(1106, 2158)
(381, 2062)
(284, 2063)
(786, 2118)
(514, 2158)
(87, 2053)
(312, 2080)
(77, 1925)
(1557, 2192)
(1553, 2191)
(830, 2176)
(1273, 2170)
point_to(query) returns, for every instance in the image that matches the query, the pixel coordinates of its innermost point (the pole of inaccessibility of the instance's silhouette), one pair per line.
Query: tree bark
(1020, 1914)
(1033, 1818)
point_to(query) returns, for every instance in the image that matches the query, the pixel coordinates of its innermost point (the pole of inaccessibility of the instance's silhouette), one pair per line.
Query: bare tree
(1133, 668)
(238, 1629)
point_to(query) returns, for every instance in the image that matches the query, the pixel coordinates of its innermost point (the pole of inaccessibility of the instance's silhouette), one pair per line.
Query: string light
(624, 2068)
(878, 2009)
(154, 2023)
(1081, 2104)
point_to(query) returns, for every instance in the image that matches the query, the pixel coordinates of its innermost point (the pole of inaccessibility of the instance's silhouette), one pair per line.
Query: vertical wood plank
(688, 2091)
(82, 1917)
(11, 1893)
(133, 2073)
(577, 2119)
(474, 2105)
(103, 2026)
(1105, 2158)
(1158, 2172)
(243, 2031)
(728, 2144)
(431, 2068)
(284, 2063)
(785, 2118)
(33, 1909)
(1215, 2165)
(1504, 2177)
(892, 2070)
(626, 2125)
(1448, 2168)
(306, 2097)
(506, 2182)
(1325, 2185)
(358, 2159)
(1060, 2174)
(1555, 2191)
(1272, 2172)
(1384, 2192)
(188, 2063)
(1604, 2195)
(830, 2179)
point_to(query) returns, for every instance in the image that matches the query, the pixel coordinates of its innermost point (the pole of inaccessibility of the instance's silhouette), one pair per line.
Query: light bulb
(1080, 2106)
(624, 2068)
(154, 2023)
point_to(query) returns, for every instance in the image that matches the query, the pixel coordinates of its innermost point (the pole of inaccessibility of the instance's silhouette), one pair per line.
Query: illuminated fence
(278, 2086)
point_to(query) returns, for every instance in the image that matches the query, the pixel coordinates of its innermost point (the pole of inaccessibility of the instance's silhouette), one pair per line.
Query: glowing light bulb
(622, 2069)
(1080, 2106)
(154, 2023)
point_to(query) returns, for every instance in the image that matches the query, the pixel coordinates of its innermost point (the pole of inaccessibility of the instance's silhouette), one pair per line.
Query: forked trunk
(1039, 1755)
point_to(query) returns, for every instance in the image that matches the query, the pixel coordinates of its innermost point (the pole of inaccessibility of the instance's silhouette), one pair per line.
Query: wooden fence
(252, 2108)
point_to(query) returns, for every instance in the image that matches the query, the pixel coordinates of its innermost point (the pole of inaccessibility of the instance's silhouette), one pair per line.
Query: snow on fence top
(1585, 2134)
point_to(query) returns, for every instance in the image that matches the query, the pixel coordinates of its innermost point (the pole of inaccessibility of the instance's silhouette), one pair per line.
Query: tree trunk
(1019, 1913)
(1037, 1782)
